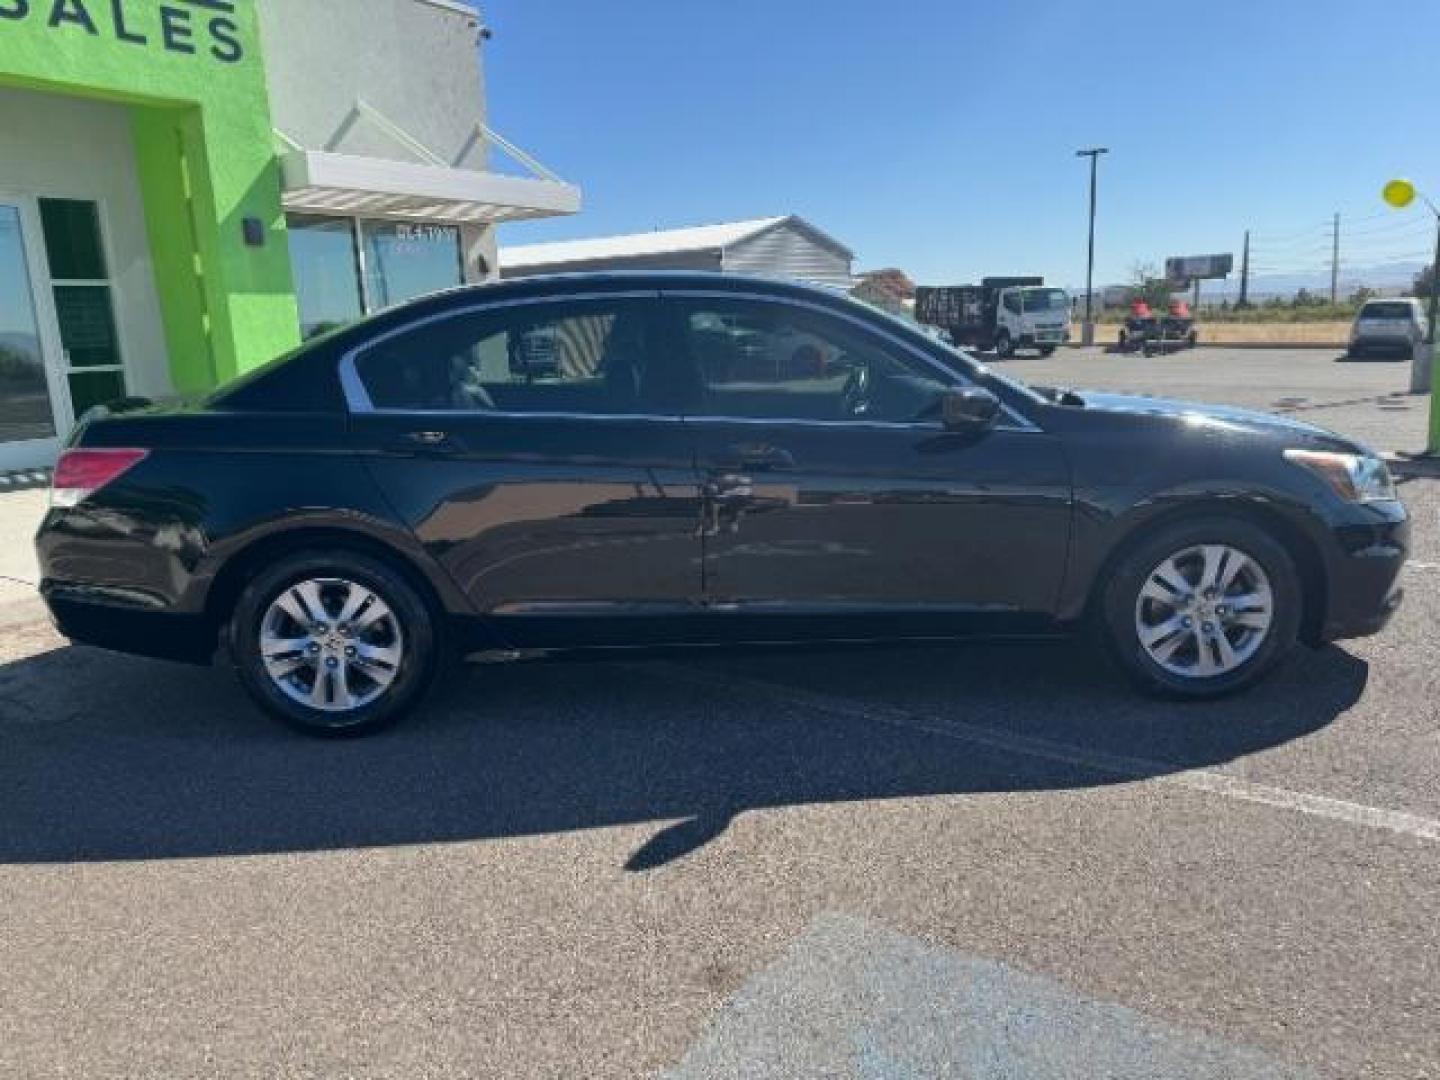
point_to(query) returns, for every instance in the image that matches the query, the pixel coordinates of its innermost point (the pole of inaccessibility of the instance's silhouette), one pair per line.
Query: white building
(786, 246)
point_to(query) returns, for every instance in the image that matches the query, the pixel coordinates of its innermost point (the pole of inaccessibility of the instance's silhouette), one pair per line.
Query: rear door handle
(729, 487)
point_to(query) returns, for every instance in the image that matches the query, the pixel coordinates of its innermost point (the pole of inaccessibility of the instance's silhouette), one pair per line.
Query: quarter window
(773, 361)
(590, 357)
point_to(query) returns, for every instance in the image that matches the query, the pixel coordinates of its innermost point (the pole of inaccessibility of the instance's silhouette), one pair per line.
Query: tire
(1047, 350)
(1004, 346)
(1123, 341)
(1127, 605)
(387, 664)
(1192, 339)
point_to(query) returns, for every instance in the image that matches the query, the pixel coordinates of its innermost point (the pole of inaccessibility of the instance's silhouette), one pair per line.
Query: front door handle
(426, 441)
(757, 457)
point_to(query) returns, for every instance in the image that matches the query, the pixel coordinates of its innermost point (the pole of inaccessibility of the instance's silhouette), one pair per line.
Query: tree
(891, 280)
(889, 289)
(1424, 282)
(1148, 285)
(1360, 295)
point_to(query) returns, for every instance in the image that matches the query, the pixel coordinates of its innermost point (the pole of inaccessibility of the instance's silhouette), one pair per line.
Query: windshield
(1045, 299)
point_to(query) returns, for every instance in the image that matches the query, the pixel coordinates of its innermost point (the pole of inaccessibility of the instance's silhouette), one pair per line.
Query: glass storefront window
(25, 411)
(84, 303)
(72, 239)
(404, 260)
(327, 276)
(401, 261)
(89, 388)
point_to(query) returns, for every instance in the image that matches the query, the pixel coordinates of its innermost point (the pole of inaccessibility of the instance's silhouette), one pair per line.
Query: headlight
(1354, 477)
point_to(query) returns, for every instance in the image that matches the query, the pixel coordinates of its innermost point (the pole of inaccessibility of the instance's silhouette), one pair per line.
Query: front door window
(26, 413)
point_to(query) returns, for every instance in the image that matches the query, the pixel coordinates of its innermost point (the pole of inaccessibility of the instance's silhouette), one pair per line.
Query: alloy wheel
(1204, 611)
(331, 644)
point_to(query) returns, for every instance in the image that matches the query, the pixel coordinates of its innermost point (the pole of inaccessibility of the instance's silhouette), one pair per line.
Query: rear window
(1386, 309)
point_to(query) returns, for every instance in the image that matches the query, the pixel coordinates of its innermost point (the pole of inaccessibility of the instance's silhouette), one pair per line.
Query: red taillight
(80, 473)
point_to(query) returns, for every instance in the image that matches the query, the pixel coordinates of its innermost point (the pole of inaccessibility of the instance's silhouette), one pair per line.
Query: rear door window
(591, 357)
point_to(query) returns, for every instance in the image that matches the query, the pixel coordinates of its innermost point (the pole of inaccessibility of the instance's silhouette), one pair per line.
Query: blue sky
(938, 135)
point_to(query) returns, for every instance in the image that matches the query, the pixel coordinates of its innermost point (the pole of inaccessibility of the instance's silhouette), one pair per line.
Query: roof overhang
(321, 182)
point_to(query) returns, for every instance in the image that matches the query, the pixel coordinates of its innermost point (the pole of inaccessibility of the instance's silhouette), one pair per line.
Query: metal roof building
(785, 246)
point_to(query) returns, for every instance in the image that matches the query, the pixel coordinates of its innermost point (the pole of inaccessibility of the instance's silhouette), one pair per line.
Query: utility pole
(1244, 273)
(1087, 329)
(1335, 263)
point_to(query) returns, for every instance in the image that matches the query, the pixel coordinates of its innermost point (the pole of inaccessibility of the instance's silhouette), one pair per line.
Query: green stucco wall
(194, 81)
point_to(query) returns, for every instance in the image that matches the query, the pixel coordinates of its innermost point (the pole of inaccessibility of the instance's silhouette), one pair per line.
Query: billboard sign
(1190, 267)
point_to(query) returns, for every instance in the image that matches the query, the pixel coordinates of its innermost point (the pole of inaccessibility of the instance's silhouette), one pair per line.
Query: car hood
(1203, 413)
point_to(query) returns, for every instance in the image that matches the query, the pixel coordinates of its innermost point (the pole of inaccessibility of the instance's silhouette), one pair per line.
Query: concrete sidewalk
(20, 514)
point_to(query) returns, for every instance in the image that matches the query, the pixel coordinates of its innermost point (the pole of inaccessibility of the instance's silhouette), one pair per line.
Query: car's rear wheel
(1203, 607)
(333, 642)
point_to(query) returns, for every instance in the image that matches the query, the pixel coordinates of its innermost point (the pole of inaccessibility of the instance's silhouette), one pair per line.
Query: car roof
(571, 284)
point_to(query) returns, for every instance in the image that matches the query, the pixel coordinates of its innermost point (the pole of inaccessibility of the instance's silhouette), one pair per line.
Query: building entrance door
(33, 409)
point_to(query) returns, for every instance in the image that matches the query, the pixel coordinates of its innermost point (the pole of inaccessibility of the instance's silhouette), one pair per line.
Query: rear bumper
(1363, 571)
(1382, 341)
(91, 617)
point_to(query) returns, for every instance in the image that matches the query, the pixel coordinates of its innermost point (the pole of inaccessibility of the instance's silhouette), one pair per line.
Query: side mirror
(968, 408)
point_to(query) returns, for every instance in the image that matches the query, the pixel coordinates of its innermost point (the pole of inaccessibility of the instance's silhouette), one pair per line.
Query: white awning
(321, 182)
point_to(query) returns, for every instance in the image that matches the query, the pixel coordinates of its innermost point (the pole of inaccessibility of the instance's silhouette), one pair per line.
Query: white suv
(1397, 324)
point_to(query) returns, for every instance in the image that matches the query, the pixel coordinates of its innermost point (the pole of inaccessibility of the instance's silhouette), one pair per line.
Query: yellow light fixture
(1399, 193)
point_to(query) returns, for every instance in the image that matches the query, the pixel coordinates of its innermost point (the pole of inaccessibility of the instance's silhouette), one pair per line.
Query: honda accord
(601, 461)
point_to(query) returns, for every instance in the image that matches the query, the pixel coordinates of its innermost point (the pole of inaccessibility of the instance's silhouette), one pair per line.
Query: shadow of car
(109, 758)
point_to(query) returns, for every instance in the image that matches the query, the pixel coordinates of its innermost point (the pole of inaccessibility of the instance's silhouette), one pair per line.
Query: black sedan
(600, 461)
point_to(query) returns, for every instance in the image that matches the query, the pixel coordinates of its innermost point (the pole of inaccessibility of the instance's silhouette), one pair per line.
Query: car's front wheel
(1203, 607)
(333, 642)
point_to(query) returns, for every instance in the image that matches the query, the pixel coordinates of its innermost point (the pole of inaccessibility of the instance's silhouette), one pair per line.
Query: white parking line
(1413, 565)
(1214, 783)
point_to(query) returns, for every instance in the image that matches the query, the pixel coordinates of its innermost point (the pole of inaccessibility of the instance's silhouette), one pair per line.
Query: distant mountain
(25, 344)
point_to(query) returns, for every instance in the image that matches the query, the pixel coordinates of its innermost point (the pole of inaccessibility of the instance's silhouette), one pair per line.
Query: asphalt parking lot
(982, 860)
(1367, 399)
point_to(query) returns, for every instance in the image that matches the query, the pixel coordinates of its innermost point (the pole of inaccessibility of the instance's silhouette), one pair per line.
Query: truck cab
(1001, 313)
(1031, 317)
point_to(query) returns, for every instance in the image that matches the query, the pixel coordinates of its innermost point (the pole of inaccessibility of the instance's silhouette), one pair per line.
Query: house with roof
(787, 246)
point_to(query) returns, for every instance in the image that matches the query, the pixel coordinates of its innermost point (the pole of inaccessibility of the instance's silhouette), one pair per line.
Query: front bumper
(1368, 550)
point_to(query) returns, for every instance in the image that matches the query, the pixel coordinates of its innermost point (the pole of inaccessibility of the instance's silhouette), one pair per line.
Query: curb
(1323, 346)
(1414, 466)
(24, 480)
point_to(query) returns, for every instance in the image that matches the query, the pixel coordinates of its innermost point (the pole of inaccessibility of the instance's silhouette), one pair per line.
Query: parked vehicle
(1179, 325)
(1001, 313)
(396, 492)
(1141, 326)
(1396, 325)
